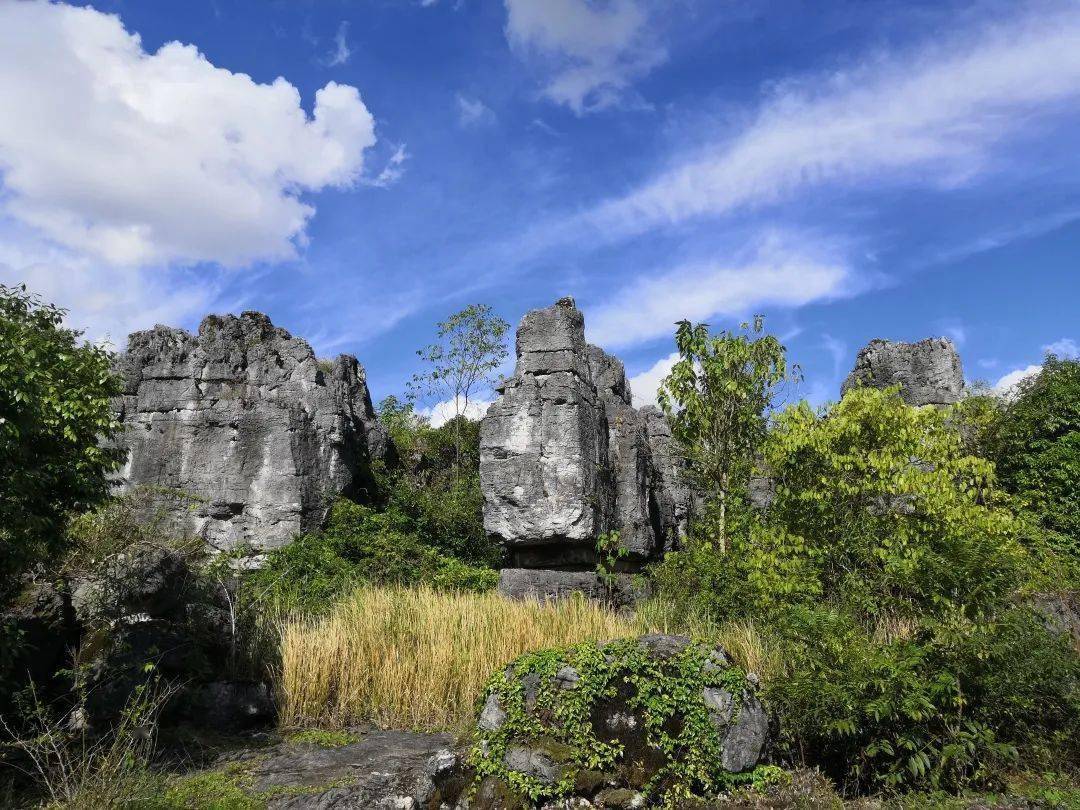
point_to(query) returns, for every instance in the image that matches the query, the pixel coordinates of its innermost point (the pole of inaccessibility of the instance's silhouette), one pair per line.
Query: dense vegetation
(891, 570)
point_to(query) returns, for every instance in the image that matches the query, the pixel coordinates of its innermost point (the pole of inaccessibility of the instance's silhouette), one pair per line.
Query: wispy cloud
(773, 273)
(342, 52)
(927, 117)
(595, 52)
(392, 170)
(1066, 348)
(838, 350)
(473, 112)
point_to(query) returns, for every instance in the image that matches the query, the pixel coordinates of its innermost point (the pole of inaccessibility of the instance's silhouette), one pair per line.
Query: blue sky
(359, 170)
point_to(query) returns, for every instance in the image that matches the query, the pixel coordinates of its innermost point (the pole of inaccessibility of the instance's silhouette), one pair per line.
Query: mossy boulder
(660, 715)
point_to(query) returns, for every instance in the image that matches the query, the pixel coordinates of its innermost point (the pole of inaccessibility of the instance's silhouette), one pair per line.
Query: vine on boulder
(662, 715)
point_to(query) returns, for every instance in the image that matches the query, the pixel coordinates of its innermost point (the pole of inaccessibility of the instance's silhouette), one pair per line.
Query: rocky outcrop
(565, 458)
(928, 372)
(537, 720)
(244, 419)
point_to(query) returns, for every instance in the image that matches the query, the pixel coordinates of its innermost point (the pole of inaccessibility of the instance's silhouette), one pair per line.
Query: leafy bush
(435, 491)
(358, 545)
(1036, 447)
(54, 410)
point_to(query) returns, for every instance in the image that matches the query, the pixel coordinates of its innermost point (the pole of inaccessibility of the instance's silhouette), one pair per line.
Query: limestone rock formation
(929, 372)
(244, 419)
(565, 458)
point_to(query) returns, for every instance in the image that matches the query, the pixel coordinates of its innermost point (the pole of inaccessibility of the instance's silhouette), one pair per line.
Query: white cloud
(775, 274)
(473, 112)
(138, 159)
(643, 386)
(442, 412)
(837, 349)
(928, 117)
(392, 171)
(1004, 386)
(1066, 348)
(107, 301)
(956, 333)
(596, 50)
(342, 52)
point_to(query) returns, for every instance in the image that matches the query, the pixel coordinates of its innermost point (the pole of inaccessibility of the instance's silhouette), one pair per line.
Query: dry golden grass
(419, 658)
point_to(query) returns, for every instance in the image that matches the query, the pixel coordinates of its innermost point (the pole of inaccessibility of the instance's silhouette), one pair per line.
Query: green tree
(55, 414)
(884, 509)
(1036, 447)
(471, 346)
(716, 398)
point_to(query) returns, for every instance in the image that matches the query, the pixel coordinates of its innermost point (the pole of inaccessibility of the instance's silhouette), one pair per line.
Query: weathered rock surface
(565, 457)
(383, 769)
(243, 418)
(519, 730)
(929, 372)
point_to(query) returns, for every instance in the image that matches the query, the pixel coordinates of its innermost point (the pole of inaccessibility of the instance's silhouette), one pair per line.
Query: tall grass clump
(419, 658)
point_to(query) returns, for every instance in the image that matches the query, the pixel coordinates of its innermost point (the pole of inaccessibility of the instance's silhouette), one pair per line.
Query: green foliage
(470, 348)
(666, 695)
(359, 544)
(434, 498)
(1036, 447)
(608, 553)
(885, 567)
(716, 397)
(878, 507)
(54, 411)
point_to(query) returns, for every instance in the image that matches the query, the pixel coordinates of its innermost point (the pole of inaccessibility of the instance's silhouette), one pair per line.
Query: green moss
(227, 789)
(324, 738)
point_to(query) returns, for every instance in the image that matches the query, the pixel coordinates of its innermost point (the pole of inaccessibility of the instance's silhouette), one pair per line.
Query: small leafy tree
(471, 345)
(54, 415)
(716, 398)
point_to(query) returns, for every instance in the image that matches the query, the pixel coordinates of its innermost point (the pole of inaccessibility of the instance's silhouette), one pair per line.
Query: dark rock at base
(545, 584)
(228, 705)
(44, 621)
(383, 769)
(148, 580)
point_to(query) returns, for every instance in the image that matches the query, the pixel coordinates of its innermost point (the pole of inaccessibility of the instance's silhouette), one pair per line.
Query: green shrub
(54, 411)
(434, 491)
(358, 545)
(1036, 446)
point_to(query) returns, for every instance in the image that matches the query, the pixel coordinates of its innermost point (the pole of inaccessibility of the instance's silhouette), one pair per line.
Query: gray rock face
(929, 372)
(243, 418)
(382, 769)
(566, 458)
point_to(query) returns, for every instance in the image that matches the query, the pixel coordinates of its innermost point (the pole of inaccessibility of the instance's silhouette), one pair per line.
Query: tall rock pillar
(565, 459)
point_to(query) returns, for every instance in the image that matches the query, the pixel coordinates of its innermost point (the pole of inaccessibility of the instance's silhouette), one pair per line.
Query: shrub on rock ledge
(660, 714)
